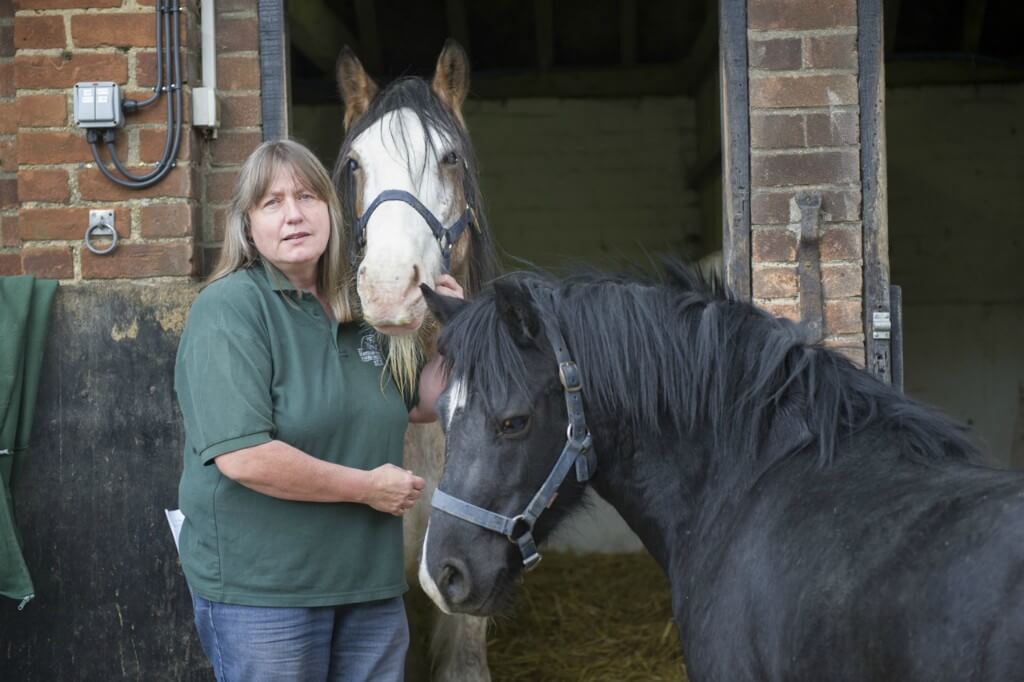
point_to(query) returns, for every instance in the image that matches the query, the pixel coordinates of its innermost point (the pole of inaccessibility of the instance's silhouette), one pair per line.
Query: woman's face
(290, 226)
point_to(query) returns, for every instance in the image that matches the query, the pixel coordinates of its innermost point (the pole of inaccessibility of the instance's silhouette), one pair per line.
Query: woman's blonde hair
(334, 282)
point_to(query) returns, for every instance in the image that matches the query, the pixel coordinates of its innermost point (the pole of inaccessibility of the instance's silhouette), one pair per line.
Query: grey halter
(578, 451)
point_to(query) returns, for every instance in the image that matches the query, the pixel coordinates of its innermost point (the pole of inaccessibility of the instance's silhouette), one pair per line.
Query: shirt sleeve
(223, 377)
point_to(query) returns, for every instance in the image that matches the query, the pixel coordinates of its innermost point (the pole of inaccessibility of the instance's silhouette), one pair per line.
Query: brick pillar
(238, 86)
(59, 43)
(804, 137)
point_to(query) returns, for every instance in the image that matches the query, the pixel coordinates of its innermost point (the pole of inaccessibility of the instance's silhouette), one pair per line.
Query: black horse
(814, 523)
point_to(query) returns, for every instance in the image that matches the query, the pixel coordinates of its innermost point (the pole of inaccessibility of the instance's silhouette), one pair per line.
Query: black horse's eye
(513, 425)
(352, 165)
(450, 159)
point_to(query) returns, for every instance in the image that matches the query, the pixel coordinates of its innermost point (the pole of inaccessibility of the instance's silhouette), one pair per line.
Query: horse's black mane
(415, 94)
(681, 346)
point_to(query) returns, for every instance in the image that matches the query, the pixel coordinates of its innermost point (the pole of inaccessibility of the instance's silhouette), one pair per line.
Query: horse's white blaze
(401, 252)
(426, 581)
(456, 400)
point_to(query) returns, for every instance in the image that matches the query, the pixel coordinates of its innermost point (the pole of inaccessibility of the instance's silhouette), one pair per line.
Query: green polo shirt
(260, 361)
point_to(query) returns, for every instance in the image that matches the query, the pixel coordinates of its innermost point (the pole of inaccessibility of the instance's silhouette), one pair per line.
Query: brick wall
(48, 180)
(805, 137)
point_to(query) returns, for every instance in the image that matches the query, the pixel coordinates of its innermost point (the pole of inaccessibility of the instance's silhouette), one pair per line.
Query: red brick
(43, 185)
(63, 223)
(209, 256)
(776, 131)
(833, 130)
(225, 6)
(841, 242)
(7, 79)
(773, 245)
(832, 52)
(52, 147)
(773, 208)
(220, 186)
(851, 348)
(240, 111)
(139, 260)
(9, 231)
(8, 118)
(233, 148)
(55, 262)
(145, 70)
(167, 220)
(238, 35)
(841, 280)
(41, 71)
(65, 4)
(787, 309)
(8, 193)
(38, 32)
(114, 30)
(774, 282)
(813, 168)
(42, 111)
(843, 317)
(775, 15)
(93, 186)
(8, 154)
(779, 54)
(238, 73)
(6, 41)
(218, 222)
(10, 264)
(769, 92)
(153, 141)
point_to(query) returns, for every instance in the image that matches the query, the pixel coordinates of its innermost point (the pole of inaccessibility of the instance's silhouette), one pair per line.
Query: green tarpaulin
(24, 317)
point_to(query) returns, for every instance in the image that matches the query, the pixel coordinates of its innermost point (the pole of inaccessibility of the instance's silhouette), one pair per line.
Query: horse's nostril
(415, 275)
(454, 583)
(362, 272)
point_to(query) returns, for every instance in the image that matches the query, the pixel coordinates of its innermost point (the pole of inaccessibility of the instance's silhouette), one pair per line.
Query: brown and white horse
(407, 179)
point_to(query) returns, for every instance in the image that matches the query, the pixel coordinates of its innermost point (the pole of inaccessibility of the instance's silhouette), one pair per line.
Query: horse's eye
(513, 425)
(352, 165)
(450, 159)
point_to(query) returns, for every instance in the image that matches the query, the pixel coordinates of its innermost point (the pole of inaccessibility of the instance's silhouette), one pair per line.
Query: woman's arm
(280, 470)
(432, 377)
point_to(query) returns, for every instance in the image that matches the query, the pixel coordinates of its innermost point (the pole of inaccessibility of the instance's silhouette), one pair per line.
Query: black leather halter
(578, 451)
(446, 237)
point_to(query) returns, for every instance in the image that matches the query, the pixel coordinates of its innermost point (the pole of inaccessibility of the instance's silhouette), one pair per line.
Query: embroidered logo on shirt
(369, 349)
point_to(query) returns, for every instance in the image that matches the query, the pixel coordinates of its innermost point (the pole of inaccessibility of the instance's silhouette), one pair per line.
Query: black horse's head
(504, 415)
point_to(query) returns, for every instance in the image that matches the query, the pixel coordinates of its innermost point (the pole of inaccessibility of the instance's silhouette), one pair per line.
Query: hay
(589, 617)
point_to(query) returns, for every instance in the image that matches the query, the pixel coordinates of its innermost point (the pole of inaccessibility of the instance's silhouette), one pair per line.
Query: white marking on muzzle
(427, 582)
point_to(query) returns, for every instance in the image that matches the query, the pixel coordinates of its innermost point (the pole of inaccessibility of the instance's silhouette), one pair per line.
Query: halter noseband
(445, 237)
(577, 450)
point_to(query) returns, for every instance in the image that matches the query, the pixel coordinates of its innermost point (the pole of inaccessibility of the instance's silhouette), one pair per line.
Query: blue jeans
(349, 643)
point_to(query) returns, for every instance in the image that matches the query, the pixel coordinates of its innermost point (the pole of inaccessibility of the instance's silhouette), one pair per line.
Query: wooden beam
(736, 190)
(544, 32)
(974, 22)
(366, 22)
(627, 32)
(458, 22)
(890, 23)
(318, 34)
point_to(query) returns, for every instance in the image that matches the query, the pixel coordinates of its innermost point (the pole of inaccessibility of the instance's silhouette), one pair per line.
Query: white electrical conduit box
(98, 105)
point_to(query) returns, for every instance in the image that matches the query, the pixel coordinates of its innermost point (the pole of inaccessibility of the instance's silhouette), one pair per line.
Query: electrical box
(98, 105)
(205, 108)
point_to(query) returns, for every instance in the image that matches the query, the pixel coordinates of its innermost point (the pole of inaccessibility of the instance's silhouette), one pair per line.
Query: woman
(292, 487)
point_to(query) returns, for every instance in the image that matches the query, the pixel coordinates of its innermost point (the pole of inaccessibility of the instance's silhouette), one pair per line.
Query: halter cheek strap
(578, 451)
(445, 237)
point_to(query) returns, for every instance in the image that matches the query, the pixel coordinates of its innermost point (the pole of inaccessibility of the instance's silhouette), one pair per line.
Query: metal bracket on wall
(101, 224)
(809, 266)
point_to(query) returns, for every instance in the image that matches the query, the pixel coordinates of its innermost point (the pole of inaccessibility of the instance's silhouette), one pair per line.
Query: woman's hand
(447, 286)
(393, 490)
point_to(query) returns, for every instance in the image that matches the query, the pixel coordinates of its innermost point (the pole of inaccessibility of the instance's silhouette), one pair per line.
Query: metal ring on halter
(516, 520)
(104, 230)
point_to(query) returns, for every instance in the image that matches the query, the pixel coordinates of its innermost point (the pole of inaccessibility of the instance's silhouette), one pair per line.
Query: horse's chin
(407, 329)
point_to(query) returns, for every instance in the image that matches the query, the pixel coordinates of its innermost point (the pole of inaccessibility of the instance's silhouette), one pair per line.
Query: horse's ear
(515, 308)
(355, 85)
(451, 77)
(444, 308)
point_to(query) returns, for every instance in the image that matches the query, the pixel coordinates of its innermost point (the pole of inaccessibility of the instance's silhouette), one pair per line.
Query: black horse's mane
(681, 346)
(415, 94)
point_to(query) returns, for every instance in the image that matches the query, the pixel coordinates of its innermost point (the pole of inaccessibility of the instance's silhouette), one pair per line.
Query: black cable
(174, 113)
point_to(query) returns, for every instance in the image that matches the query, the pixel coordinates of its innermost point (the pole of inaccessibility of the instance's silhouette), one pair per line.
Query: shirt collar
(276, 278)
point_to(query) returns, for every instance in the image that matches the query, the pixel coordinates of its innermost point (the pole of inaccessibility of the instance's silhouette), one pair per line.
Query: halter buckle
(530, 562)
(512, 536)
(569, 375)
